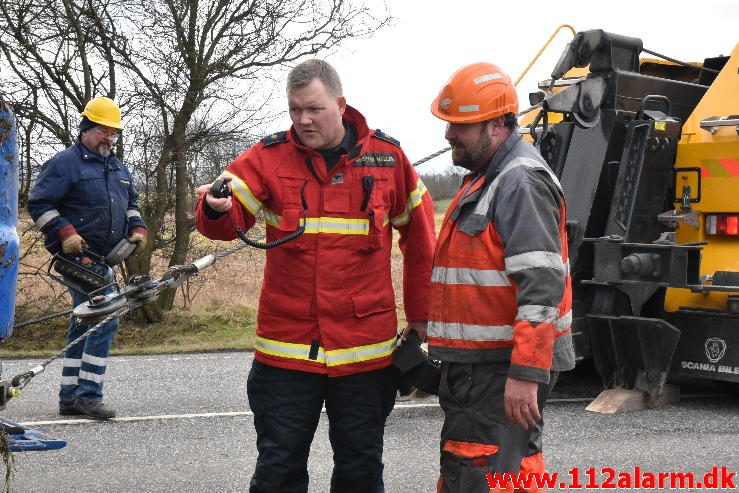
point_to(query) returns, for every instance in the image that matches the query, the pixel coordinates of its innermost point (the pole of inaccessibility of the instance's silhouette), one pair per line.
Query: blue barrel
(9, 243)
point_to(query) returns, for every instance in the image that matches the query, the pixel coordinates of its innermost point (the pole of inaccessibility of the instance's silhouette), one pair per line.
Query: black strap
(314, 345)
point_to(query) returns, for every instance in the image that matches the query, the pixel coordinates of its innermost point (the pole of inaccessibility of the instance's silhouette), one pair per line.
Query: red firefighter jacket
(501, 288)
(327, 303)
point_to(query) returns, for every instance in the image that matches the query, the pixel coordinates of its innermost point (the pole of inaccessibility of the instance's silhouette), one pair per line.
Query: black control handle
(220, 189)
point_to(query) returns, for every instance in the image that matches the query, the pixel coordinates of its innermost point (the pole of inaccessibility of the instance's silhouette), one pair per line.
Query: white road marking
(136, 418)
(233, 414)
(176, 358)
(227, 414)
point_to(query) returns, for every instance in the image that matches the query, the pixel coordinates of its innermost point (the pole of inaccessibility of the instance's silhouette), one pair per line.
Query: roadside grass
(199, 329)
(440, 207)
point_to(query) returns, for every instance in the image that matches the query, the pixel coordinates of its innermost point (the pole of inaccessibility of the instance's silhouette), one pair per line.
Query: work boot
(94, 410)
(68, 409)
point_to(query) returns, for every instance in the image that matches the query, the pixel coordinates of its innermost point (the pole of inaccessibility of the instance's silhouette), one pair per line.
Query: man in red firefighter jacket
(500, 294)
(327, 326)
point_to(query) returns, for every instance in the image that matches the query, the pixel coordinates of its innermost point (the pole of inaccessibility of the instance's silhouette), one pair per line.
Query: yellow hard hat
(103, 111)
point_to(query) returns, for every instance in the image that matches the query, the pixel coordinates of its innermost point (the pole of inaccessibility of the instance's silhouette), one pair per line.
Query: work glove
(138, 236)
(74, 245)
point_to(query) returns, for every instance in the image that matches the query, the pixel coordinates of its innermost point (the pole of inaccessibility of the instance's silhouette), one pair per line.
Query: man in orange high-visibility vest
(500, 295)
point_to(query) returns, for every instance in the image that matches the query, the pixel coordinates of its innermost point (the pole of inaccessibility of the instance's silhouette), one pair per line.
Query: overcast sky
(393, 77)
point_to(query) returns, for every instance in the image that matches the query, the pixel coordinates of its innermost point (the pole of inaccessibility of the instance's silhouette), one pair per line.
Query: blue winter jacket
(94, 194)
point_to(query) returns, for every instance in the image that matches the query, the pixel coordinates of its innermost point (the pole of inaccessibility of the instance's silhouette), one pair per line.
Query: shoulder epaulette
(383, 136)
(274, 138)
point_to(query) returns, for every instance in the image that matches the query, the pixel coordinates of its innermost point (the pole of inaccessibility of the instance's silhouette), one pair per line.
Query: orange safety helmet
(474, 94)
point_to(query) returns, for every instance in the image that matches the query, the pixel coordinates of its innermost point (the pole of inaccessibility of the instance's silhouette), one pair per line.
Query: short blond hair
(304, 73)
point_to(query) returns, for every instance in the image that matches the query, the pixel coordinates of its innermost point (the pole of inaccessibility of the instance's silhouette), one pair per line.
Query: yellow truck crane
(647, 151)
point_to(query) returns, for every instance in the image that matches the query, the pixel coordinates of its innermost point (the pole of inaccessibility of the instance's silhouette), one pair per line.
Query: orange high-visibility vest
(475, 316)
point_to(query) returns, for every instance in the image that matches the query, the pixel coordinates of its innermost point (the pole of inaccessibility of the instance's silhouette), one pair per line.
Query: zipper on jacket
(302, 196)
(368, 183)
(106, 174)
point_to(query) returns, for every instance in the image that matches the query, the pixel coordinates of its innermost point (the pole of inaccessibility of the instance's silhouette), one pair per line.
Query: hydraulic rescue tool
(87, 272)
(84, 272)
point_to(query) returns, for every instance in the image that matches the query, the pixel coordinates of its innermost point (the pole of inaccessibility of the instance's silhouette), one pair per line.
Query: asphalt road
(184, 426)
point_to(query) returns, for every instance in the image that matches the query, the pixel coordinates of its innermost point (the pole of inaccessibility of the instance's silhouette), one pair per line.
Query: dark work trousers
(84, 364)
(287, 406)
(474, 414)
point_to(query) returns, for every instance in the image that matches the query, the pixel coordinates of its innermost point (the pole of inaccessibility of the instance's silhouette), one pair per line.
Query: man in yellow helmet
(501, 293)
(84, 199)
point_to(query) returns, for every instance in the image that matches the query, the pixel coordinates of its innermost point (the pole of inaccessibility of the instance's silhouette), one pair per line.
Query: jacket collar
(493, 167)
(474, 183)
(351, 117)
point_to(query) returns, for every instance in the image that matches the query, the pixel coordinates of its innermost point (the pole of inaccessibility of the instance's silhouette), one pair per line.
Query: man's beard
(104, 150)
(471, 159)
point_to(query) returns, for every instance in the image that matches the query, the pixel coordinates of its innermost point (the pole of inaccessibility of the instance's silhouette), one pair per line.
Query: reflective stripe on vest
(315, 225)
(414, 200)
(47, 216)
(532, 260)
(474, 277)
(538, 313)
(288, 350)
(242, 193)
(333, 357)
(469, 332)
(484, 202)
(564, 322)
(360, 353)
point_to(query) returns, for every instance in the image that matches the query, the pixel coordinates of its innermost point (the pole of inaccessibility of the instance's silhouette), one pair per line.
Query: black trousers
(287, 406)
(471, 395)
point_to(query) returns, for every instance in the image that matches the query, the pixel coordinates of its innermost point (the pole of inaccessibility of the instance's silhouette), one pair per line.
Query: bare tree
(189, 75)
(53, 64)
(444, 184)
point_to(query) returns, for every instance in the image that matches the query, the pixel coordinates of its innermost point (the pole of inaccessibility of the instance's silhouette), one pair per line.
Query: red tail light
(722, 224)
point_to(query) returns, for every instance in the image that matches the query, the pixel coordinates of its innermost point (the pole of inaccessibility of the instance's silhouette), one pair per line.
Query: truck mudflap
(633, 352)
(709, 345)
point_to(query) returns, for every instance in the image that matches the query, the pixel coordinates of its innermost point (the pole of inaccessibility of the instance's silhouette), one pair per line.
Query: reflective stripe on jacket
(92, 193)
(327, 303)
(501, 289)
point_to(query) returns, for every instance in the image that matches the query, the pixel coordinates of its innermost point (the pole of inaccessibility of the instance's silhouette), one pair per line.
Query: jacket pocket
(94, 189)
(376, 229)
(336, 199)
(472, 250)
(290, 221)
(378, 210)
(291, 188)
(286, 306)
(84, 221)
(370, 304)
